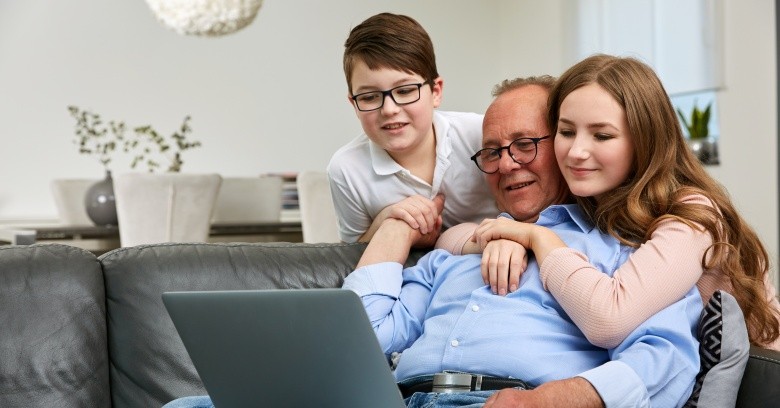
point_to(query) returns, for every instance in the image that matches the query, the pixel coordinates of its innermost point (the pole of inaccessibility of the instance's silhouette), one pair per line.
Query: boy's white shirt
(364, 179)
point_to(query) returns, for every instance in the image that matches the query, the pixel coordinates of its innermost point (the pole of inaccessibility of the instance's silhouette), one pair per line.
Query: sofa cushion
(724, 353)
(149, 364)
(53, 350)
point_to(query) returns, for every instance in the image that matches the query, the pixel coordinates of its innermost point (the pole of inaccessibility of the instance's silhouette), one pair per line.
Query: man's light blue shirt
(443, 317)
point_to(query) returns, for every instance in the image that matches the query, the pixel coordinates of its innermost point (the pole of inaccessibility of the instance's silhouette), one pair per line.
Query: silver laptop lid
(284, 348)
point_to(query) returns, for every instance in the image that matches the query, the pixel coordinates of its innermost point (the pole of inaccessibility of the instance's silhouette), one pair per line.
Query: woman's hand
(503, 261)
(537, 239)
(503, 228)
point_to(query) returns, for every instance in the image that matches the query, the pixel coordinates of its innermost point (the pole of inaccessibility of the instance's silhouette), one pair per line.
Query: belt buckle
(452, 382)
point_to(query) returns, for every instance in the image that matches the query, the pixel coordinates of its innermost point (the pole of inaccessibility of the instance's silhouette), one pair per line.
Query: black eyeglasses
(522, 151)
(401, 95)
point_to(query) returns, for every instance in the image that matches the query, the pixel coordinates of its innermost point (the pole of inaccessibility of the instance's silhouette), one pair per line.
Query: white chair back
(69, 196)
(248, 200)
(318, 216)
(154, 208)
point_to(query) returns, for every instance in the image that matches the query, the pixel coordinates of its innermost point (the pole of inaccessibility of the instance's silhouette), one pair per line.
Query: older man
(444, 318)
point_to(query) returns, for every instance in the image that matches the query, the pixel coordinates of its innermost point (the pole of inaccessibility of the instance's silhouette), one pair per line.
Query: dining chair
(69, 195)
(171, 207)
(248, 200)
(318, 216)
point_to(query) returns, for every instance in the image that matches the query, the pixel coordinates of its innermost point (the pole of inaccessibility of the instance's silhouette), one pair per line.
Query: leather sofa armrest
(759, 386)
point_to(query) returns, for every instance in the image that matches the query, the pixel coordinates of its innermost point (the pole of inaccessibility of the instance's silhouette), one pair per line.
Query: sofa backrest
(149, 364)
(53, 350)
(67, 324)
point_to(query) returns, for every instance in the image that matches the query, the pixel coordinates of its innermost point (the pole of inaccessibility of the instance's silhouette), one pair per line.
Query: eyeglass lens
(522, 151)
(401, 95)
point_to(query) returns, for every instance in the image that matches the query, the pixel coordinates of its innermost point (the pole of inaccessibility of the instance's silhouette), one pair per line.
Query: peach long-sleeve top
(657, 274)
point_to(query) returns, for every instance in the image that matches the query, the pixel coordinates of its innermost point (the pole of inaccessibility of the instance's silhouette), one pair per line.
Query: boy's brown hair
(390, 41)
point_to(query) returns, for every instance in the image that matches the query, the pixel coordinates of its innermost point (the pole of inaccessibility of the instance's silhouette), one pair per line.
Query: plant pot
(706, 150)
(100, 202)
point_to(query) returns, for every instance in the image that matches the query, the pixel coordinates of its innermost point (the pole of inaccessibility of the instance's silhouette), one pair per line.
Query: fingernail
(502, 292)
(493, 288)
(512, 288)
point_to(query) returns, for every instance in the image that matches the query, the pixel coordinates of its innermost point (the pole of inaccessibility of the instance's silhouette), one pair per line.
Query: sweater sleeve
(658, 274)
(453, 239)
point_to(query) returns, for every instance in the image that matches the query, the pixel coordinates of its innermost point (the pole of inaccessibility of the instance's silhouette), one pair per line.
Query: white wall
(748, 116)
(269, 98)
(272, 97)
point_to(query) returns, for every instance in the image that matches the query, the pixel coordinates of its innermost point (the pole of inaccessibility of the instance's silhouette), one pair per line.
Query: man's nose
(506, 164)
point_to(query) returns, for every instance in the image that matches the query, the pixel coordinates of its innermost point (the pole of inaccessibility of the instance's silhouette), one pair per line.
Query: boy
(410, 154)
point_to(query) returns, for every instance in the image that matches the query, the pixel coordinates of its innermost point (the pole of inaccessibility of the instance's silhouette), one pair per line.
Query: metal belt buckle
(454, 382)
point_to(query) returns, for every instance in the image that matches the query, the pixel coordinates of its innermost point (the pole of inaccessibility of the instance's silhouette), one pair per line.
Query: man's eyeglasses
(522, 151)
(401, 95)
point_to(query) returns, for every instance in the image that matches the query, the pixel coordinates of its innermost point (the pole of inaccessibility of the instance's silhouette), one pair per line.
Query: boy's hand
(419, 212)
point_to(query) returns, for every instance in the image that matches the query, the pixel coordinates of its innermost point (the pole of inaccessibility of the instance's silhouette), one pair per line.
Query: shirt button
(454, 343)
(475, 308)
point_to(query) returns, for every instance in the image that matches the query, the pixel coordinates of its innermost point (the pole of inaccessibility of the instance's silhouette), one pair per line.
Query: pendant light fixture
(209, 18)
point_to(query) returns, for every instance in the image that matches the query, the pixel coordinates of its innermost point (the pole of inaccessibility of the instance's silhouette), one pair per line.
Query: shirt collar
(383, 164)
(557, 214)
(381, 161)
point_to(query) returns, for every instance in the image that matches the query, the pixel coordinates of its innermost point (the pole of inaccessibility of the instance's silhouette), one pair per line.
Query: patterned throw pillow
(724, 350)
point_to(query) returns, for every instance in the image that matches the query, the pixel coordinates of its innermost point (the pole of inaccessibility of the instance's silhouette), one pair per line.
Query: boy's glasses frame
(520, 151)
(397, 94)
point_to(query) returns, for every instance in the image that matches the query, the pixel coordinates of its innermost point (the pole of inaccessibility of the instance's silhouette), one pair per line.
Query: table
(100, 239)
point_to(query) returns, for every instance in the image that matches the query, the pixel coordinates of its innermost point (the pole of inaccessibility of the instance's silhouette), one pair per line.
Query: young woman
(622, 153)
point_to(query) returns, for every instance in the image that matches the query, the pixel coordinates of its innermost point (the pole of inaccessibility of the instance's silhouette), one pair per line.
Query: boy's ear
(350, 101)
(437, 88)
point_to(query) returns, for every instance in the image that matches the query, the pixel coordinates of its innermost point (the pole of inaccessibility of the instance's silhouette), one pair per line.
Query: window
(680, 39)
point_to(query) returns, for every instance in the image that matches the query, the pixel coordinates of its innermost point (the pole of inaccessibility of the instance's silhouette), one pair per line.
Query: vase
(706, 150)
(100, 202)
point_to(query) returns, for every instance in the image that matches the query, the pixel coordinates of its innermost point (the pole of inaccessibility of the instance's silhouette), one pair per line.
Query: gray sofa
(86, 331)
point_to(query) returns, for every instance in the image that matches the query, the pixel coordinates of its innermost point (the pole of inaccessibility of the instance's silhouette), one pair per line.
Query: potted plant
(699, 124)
(698, 127)
(96, 138)
(148, 148)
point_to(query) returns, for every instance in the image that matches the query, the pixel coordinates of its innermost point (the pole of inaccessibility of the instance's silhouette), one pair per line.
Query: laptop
(284, 348)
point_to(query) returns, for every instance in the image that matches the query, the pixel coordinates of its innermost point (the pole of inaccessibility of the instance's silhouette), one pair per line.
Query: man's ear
(437, 87)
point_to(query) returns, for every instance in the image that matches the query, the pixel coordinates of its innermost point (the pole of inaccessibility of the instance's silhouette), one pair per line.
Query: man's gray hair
(545, 81)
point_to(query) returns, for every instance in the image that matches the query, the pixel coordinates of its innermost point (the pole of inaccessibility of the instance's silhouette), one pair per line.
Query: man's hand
(503, 261)
(392, 242)
(571, 393)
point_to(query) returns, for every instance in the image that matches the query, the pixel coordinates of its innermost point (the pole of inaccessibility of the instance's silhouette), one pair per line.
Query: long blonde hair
(663, 173)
